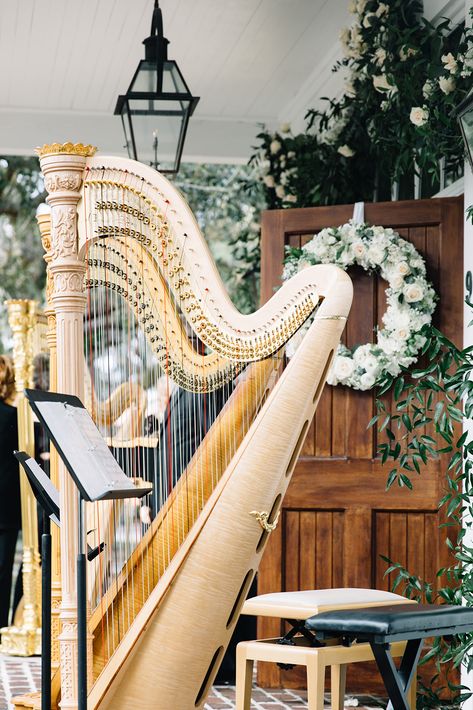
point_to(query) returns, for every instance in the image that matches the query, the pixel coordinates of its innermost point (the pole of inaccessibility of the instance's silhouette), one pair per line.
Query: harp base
(30, 701)
(20, 641)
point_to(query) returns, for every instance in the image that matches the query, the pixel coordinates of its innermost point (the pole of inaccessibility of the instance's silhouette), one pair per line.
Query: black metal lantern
(465, 118)
(155, 110)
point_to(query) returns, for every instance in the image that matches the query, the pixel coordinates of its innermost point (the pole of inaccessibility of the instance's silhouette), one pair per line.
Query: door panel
(337, 518)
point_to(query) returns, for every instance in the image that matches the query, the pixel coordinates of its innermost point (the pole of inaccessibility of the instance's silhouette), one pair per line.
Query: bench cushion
(301, 605)
(393, 622)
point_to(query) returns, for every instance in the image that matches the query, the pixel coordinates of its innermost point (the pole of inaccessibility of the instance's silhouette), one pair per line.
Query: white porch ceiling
(64, 62)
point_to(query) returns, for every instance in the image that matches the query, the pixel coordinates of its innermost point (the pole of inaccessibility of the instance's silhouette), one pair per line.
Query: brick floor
(22, 675)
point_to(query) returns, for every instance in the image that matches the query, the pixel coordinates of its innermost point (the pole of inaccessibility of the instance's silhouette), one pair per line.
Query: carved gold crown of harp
(213, 418)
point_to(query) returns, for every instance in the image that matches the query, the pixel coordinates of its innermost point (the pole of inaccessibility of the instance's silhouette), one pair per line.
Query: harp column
(63, 168)
(44, 224)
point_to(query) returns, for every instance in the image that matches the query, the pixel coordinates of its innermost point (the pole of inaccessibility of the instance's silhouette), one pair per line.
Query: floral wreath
(410, 297)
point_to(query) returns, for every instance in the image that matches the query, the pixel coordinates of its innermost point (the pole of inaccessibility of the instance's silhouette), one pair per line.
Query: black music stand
(97, 476)
(48, 498)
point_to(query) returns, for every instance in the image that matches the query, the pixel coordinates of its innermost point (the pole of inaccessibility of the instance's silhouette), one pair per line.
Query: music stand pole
(46, 614)
(81, 613)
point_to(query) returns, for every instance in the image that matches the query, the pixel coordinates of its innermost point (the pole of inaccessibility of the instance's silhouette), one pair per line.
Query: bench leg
(412, 692)
(338, 683)
(244, 679)
(396, 682)
(315, 682)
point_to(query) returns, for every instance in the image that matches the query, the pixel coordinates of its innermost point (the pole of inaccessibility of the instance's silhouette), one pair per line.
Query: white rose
(419, 115)
(396, 281)
(403, 268)
(383, 9)
(367, 381)
(367, 20)
(360, 6)
(447, 84)
(265, 166)
(290, 198)
(361, 353)
(280, 191)
(343, 367)
(380, 56)
(268, 180)
(285, 127)
(428, 89)
(413, 292)
(376, 254)
(388, 344)
(450, 63)
(381, 83)
(275, 147)
(359, 249)
(401, 333)
(346, 151)
(291, 154)
(371, 365)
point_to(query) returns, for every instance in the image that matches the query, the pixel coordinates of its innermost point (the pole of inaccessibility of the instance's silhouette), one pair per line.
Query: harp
(128, 262)
(31, 363)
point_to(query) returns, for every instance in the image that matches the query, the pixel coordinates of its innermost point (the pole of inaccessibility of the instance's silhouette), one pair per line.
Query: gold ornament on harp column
(263, 519)
(86, 151)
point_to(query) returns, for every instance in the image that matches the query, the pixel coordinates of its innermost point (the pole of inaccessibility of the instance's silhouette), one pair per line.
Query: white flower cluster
(278, 164)
(462, 65)
(410, 298)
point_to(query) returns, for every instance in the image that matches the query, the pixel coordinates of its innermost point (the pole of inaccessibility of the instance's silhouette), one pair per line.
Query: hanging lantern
(155, 110)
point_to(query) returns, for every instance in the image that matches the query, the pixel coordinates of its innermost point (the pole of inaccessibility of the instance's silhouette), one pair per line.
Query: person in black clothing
(10, 511)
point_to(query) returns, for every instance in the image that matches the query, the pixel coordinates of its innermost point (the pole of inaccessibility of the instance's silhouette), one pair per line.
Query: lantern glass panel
(146, 78)
(164, 121)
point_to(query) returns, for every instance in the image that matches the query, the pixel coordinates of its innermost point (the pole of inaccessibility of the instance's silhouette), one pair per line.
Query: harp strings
(178, 438)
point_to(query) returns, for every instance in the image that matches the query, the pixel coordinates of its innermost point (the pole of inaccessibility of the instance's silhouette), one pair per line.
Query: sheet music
(85, 452)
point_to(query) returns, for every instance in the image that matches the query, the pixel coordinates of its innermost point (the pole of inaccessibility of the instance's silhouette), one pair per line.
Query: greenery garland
(404, 78)
(410, 298)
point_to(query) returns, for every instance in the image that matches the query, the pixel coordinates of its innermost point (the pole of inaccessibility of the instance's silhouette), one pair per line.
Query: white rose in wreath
(413, 292)
(410, 298)
(343, 367)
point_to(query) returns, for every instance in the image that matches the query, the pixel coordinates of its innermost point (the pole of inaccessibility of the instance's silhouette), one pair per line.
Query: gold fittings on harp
(262, 518)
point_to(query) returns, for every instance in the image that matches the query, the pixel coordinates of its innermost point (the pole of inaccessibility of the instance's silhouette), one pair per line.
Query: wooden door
(337, 517)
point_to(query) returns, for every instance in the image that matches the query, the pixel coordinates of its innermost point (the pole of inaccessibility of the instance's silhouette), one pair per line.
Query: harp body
(162, 621)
